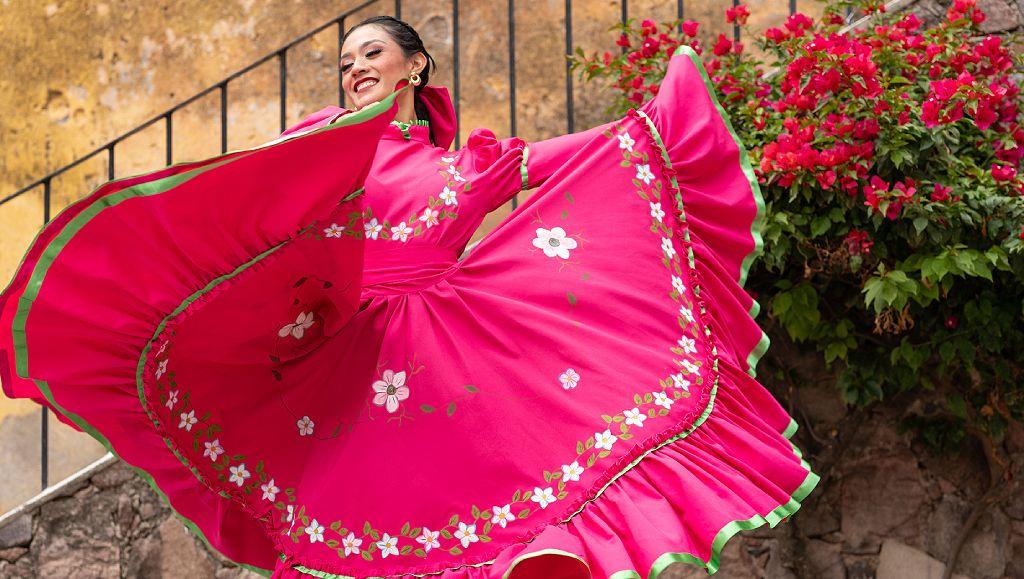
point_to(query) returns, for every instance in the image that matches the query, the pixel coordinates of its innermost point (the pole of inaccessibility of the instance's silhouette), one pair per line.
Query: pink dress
(287, 344)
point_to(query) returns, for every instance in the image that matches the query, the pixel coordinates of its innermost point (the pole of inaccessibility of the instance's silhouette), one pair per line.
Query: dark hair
(408, 40)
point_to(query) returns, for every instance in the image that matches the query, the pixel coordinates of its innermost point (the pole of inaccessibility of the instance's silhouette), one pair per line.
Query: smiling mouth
(364, 84)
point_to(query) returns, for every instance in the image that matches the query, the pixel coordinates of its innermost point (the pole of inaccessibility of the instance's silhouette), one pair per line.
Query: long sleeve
(542, 158)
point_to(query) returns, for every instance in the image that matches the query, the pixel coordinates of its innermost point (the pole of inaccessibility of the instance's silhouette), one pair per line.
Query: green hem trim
(522, 169)
(53, 249)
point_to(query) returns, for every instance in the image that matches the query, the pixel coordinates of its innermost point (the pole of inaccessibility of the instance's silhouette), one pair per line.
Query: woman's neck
(406, 107)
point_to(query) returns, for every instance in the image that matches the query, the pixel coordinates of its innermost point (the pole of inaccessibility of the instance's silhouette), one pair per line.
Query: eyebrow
(361, 46)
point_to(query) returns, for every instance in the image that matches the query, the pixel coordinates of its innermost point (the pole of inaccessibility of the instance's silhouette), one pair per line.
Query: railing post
(337, 63)
(455, 68)
(735, 25)
(110, 162)
(169, 138)
(224, 117)
(512, 78)
(282, 60)
(569, 113)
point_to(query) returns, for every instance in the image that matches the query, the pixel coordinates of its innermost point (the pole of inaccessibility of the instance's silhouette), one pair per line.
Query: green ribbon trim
(522, 169)
(404, 126)
(53, 249)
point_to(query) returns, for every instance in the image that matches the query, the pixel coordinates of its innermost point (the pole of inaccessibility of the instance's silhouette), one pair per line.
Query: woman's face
(372, 63)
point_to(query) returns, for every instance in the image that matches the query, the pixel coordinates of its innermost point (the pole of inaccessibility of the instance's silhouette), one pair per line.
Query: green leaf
(819, 225)
(451, 408)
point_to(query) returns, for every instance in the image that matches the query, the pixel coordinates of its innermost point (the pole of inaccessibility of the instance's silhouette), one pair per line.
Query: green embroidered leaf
(677, 394)
(604, 453)
(279, 505)
(221, 477)
(405, 528)
(451, 408)
(475, 512)
(304, 519)
(427, 408)
(564, 214)
(590, 460)
(487, 527)
(636, 399)
(623, 427)
(238, 457)
(561, 485)
(648, 398)
(515, 497)
(618, 418)
(375, 535)
(365, 554)
(562, 495)
(418, 230)
(556, 475)
(471, 388)
(585, 276)
(650, 413)
(205, 417)
(343, 531)
(484, 538)
(419, 553)
(523, 514)
(606, 418)
(527, 495)
(663, 412)
(590, 443)
(405, 550)
(259, 466)
(547, 476)
(455, 551)
(579, 447)
(454, 520)
(295, 539)
(572, 298)
(626, 436)
(569, 197)
(415, 532)
(367, 528)
(195, 444)
(624, 164)
(332, 543)
(446, 534)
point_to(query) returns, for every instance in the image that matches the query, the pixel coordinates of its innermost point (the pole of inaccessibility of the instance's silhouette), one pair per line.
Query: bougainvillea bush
(889, 159)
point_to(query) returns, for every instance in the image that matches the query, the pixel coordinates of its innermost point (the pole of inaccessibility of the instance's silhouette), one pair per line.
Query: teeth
(365, 83)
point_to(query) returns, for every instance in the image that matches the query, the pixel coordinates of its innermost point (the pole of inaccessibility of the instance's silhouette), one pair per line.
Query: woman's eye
(345, 67)
(373, 52)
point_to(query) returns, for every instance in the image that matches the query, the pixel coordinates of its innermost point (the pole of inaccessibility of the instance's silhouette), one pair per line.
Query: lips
(364, 83)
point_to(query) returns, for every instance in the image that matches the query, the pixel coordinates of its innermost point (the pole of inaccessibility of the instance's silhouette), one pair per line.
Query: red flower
(951, 322)
(1003, 173)
(690, 28)
(737, 14)
(775, 35)
(723, 46)
(940, 193)
(798, 23)
(623, 41)
(857, 242)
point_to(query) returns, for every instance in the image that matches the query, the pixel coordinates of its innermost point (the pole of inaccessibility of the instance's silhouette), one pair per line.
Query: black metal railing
(281, 55)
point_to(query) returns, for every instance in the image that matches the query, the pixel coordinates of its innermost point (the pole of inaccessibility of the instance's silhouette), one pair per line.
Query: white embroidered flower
(388, 545)
(604, 440)
(401, 232)
(161, 369)
(677, 284)
(315, 531)
(686, 312)
(643, 172)
(666, 246)
(390, 390)
(305, 426)
(626, 141)
(448, 196)
(297, 329)
(291, 513)
(188, 420)
(455, 173)
(690, 367)
(162, 348)
(635, 417)
(543, 496)
(239, 474)
(681, 382)
(447, 159)
(334, 230)
(572, 472)
(662, 399)
(657, 212)
(429, 217)
(466, 534)
(270, 490)
(372, 228)
(502, 515)
(213, 449)
(569, 379)
(351, 544)
(429, 539)
(172, 399)
(554, 242)
(689, 345)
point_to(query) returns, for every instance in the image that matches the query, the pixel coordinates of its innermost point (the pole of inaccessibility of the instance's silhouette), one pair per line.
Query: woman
(286, 343)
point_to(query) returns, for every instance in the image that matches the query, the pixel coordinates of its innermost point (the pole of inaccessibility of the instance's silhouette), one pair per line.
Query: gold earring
(415, 78)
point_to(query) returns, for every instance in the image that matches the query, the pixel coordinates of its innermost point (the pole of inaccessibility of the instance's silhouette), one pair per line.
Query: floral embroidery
(429, 217)
(388, 545)
(299, 327)
(677, 284)
(569, 379)
(502, 515)
(554, 242)
(213, 449)
(449, 197)
(334, 230)
(305, 426)
(687, 313)
(662, 399)
(643, 173)
(372, 228)
(626, 142)
(351, 544)
(657, 212)
(401, 232)
(172, 399)
(455, 173)
(634, 417)
(467, 534)
(543, 496)
(689, 345)
(315, 531)
(390, 390)
(188, 420)
(429, 540)
(666, 246)
(161, 369)
(239, 474)
(604, 440)
(269, 490)
(572, 472)
(681, 382)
